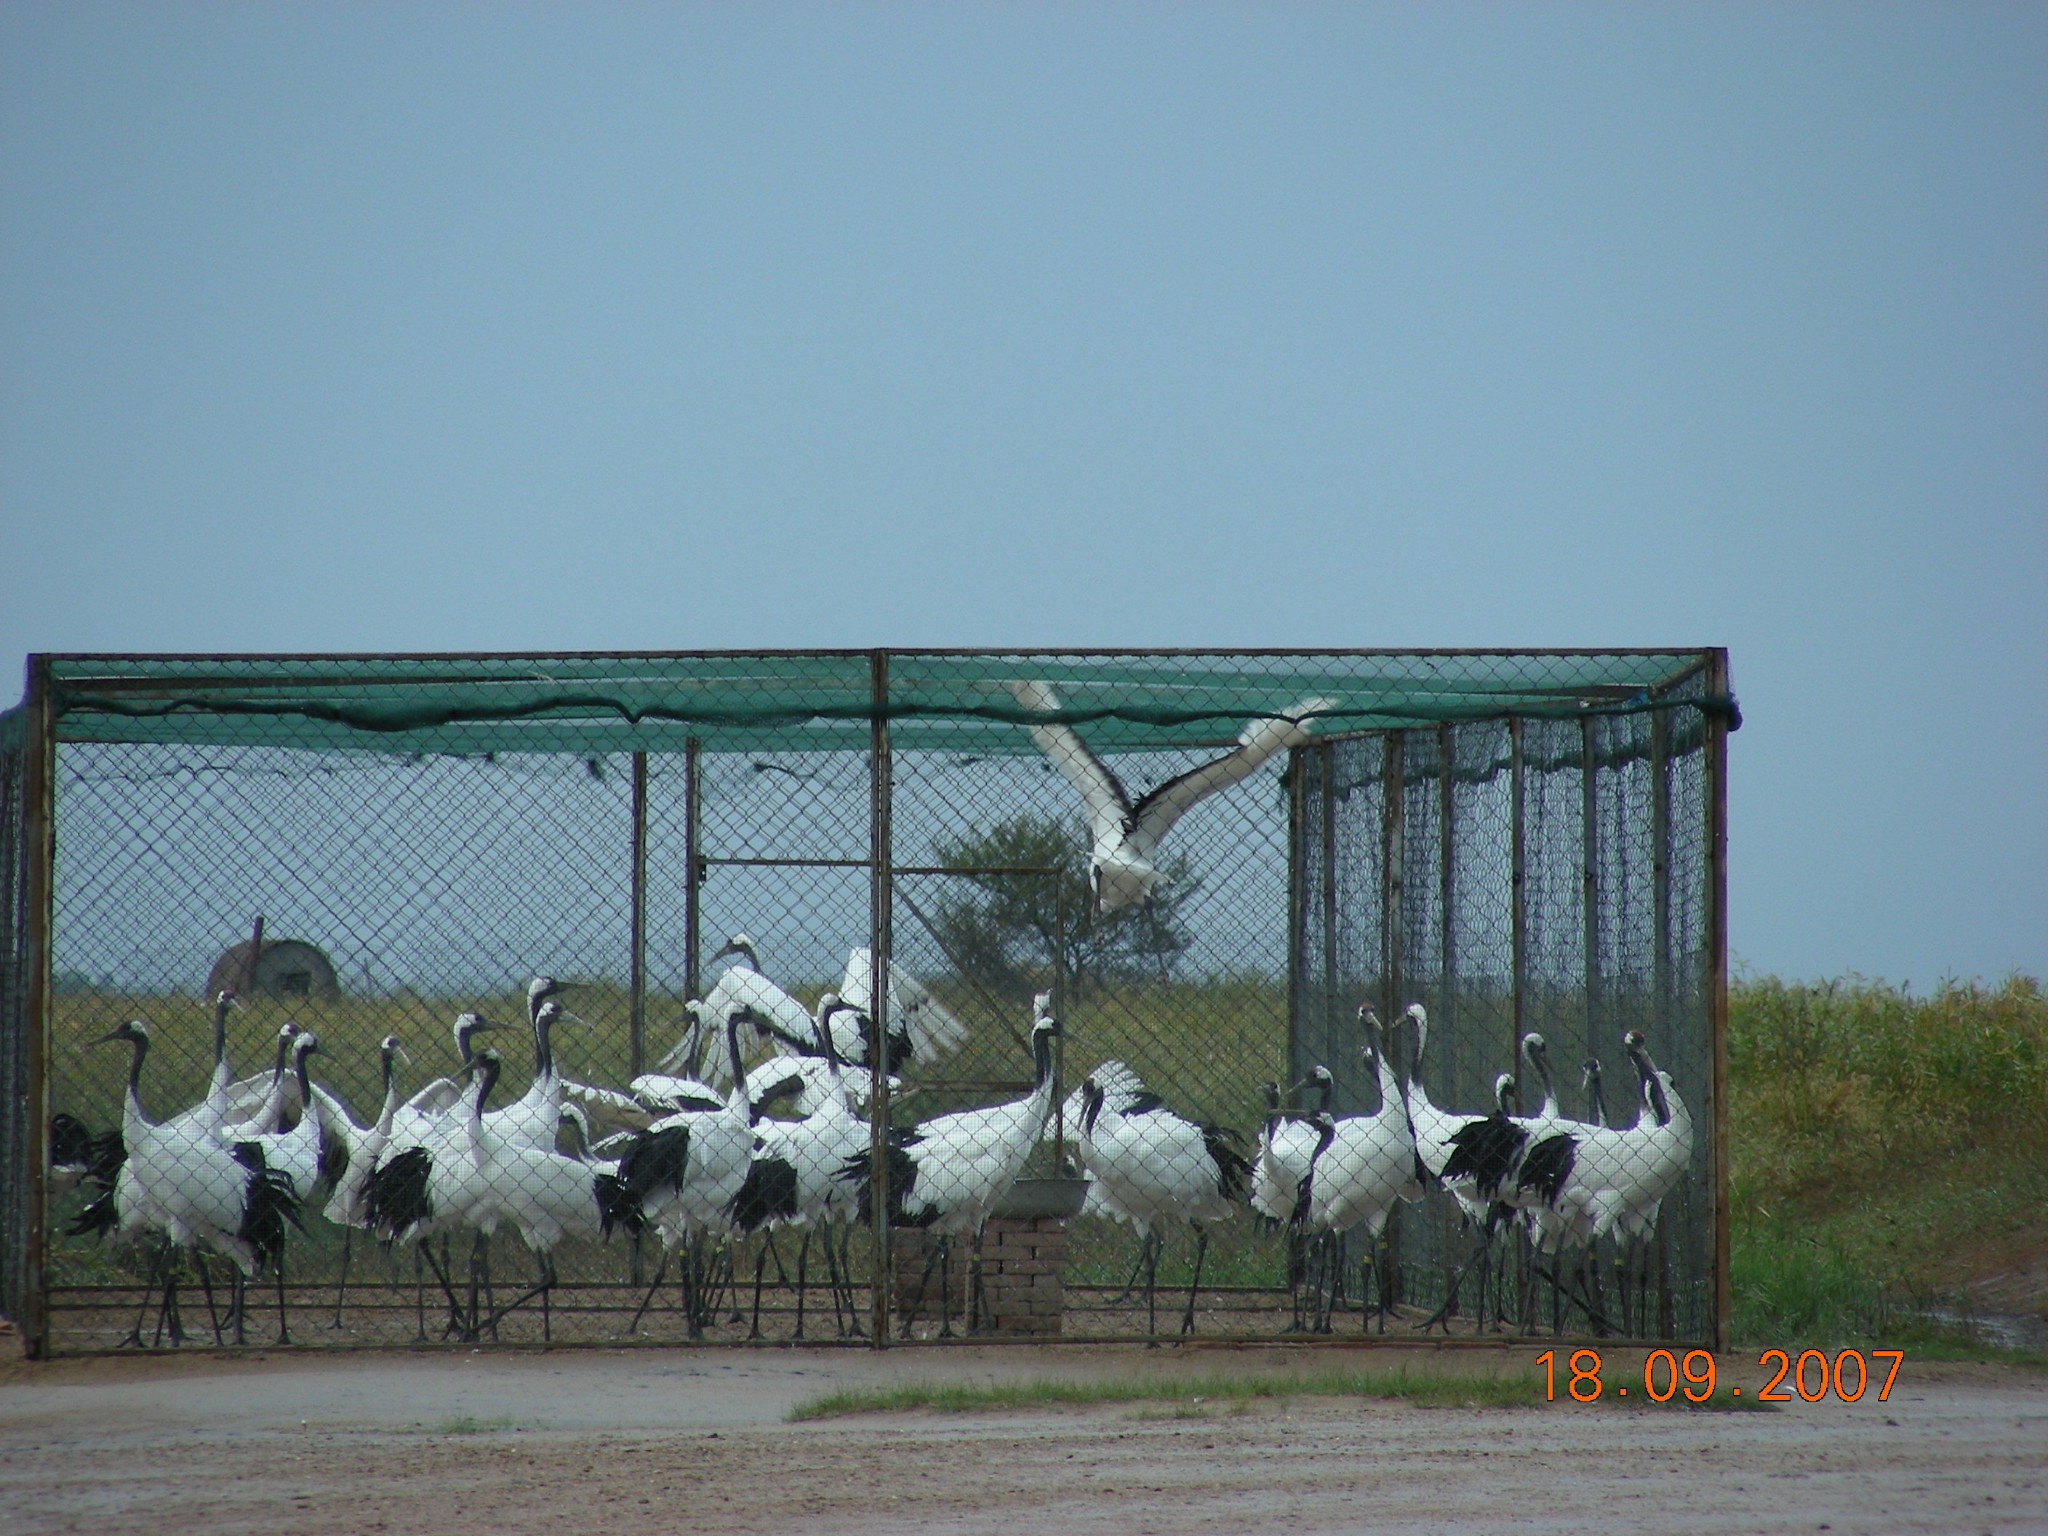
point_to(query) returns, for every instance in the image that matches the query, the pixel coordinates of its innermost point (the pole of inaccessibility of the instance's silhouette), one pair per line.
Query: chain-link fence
(373, 1000)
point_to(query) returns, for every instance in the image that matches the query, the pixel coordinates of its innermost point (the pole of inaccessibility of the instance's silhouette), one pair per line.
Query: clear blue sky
(510, 327)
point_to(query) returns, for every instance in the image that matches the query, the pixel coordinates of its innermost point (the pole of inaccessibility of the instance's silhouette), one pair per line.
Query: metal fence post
(636, 984)
(1331, 965)
(1589, 838)
(1447, 852)
(39, 828)
(880, 915)
(693, 872)
(1518, 937)
(1716, 748)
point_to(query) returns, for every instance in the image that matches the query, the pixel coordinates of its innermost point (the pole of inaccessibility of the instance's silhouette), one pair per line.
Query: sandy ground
(690, 1440)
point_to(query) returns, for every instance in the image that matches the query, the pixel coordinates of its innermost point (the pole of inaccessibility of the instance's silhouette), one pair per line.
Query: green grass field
(1887, 1152)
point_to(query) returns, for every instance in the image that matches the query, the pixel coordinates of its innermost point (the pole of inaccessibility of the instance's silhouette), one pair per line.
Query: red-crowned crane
(180, 1180)
(680, 1175)
(947, 1174)
(1362, 1169)
(1122, 866)
(1153, 1168)
(793, 1179)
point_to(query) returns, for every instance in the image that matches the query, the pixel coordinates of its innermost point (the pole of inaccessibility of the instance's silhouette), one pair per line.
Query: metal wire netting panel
(17, 1084)
(1548, 891)
(576, 961)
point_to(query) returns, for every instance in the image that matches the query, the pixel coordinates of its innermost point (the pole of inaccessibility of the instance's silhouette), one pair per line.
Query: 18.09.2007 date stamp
(1848, 1376)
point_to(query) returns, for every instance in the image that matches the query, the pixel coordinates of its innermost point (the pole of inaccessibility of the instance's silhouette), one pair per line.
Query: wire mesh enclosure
(860, 996)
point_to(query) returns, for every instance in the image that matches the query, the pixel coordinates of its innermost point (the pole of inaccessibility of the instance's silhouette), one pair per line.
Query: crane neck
(132, 1107)
(1041, 1058)
(739, 1070)
(486, 1080)
(390, 1109)
(543, 1043)
(220, 1039)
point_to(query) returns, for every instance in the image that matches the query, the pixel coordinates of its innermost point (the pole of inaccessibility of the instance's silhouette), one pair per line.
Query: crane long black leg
(760, 1268)
(447, 1281)
(490, 1292)
(1334, 1270)
(660, 1274)
(1137, 1269)
(693, 1258)
(846, 1280)
(1151, 1256)
(923, 1280)
(977, 1291)
(419, 1285)
(832, 1283)
(803, 1256)
(946, 1286)
(167, 1310)
(1187, 1323)
(284, 1330)
(348, 1237)
(134, 1335)
(206, 1285)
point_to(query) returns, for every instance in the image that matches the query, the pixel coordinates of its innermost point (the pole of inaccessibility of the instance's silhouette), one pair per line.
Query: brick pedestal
(1023, 1266)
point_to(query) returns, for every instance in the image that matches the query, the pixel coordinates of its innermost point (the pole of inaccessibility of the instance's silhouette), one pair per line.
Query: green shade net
(825, 701)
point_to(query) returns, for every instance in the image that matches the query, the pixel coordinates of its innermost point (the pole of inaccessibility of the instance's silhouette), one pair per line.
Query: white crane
(533, 1119)
(1122, 868)
(78, 1154)
(1470, 1156)
(1363, 1167)
(305, 1156)
(919, 1027)
(1588, 1182)
(793, 1179)
(257, 1106)
(430, 1178)
(361, 1146)
(741, 983)
(545, 1195)
(947, 1173)
(1153, 1168)
(1287, 1145)
(181, 1181)
(681, 1174)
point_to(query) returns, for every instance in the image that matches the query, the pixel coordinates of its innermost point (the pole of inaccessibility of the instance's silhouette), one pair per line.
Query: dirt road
(680, 1441)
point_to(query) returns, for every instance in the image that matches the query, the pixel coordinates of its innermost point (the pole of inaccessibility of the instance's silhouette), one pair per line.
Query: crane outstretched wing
(1154, 814)
(1105, 799)
(741, 985)
(932, 1027)
(605, 1109)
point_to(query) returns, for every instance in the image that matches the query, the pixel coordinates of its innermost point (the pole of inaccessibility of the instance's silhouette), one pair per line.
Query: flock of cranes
(706, 1153)
(1558, 1184)
(699, 1160)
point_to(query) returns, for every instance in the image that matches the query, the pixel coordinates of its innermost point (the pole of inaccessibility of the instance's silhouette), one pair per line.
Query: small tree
(1005, 928)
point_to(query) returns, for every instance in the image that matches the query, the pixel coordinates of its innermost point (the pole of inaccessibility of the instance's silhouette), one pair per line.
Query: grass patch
(1887, 1150)
(1189, 1397)
(469, 1424)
